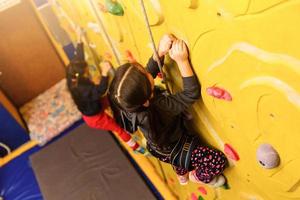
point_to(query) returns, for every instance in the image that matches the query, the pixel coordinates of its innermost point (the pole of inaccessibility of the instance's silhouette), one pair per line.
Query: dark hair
(74, 71)
(130, 88)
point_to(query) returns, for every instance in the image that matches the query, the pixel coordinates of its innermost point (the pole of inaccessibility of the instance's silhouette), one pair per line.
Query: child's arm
(79, 53)
(177, 103)
(163, 48)
(100, 87)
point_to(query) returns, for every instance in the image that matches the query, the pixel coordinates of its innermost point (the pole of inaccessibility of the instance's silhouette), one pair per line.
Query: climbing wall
(247, 58)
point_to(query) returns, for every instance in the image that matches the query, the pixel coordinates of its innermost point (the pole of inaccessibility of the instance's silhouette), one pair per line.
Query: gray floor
(87, 164)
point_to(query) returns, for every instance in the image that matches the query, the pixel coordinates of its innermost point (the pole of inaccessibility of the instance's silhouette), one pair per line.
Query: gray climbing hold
(267, 156)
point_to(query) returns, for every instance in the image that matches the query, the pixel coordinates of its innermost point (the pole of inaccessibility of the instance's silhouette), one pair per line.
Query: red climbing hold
(194, 197)
(219, 93)
(231, 153)
(130, 57)
(202, 190)
(159, 75)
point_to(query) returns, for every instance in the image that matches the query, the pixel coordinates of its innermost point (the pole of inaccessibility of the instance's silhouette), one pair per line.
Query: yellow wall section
(248, 47)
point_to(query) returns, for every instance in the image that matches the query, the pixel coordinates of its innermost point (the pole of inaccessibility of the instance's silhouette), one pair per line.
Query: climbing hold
(159, 74)
(107, 56)
(219, 93)
(94, 27)
(200, 197)
(192, 4)
(102, 7)
(231, 153)
(92, 45)
(130, 57)
(171, 180)
(226, 186)
(202, 190)
(267, 156)
(114, 7)
(194, 196)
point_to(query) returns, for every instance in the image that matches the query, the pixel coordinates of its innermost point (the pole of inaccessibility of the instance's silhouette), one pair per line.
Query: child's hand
(79, 34)
(165, 44)
(105, 67)
(179, 51)
(96, 80)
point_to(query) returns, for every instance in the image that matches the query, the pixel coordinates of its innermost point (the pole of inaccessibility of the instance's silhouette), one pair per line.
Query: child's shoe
(219, 181)
(216, 182)
(193, 177)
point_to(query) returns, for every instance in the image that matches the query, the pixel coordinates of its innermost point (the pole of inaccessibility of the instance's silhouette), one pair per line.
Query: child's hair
(74, 71)
(130, 88)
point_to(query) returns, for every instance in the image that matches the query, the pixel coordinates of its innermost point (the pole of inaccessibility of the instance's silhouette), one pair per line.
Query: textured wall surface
(249, 49)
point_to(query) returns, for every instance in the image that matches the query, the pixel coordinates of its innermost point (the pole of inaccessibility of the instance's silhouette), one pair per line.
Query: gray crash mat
(87, 164)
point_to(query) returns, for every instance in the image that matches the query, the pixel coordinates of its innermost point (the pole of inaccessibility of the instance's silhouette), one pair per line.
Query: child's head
(132, 87)
(77, 68)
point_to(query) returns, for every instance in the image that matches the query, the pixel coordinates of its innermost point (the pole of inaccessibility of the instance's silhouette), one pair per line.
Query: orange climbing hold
(102, 7)
(107, 56)
(130, 56)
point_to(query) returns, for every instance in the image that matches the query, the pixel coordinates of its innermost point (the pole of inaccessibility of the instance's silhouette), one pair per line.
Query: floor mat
(87, 164)
(50, 113)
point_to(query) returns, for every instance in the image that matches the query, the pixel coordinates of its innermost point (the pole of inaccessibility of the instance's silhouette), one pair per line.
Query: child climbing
(160, 117)
(87, 96)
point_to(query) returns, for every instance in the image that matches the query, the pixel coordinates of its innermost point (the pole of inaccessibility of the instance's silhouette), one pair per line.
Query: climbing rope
(159, 66)
(152, 40)
(99, 20)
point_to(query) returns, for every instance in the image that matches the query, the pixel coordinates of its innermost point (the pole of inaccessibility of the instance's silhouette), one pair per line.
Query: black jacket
(85, 93)
(162, 123)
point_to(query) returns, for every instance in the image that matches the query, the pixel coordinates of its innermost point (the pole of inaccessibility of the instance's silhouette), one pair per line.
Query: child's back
(160, 116)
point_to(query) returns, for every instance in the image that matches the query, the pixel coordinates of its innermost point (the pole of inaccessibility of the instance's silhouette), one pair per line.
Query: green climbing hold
(114, 7)
(200, 198)
(226, 186)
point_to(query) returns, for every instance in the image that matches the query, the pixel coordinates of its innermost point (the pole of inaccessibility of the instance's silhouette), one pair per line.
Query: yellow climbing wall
(250, 48)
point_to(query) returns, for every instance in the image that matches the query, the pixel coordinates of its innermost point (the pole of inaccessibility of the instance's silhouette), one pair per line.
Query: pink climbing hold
(219, 93)
(130, 56)
(231, 153)
(202, 190)
(194, 196)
